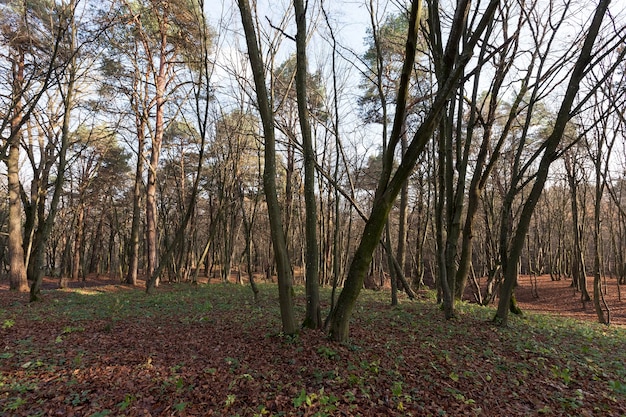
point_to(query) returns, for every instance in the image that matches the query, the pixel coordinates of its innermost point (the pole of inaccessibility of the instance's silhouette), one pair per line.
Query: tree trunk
(155, 152)
(97, 246)
(313, 318)
(445, 293)
(17, 267)
(579, 273)
(281, 256)
(78, 242)
(133, 262)
(393, 274)
(551, 144)
(247, 230)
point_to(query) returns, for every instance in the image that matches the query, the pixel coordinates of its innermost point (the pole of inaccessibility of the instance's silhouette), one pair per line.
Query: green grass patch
(188, 347)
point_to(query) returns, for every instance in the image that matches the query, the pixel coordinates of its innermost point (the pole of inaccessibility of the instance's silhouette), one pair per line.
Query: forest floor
(542, 295)
(104, 349)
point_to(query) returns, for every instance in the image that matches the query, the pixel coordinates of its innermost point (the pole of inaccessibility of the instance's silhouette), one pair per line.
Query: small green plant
(179, 384)
(128, 400)
(78, 398)
(262, 412)
(242, 377)
(396, 389)
(72, 329)
(326, 403)
(176, 368)
(180, 407)
(301, 399)
(7, 324)
(355, 380)
(573, 402)
(327, 352)
(78, 359)
(562, 373)
(230, 399)
(373, 366)
(22, 387)
(349, 396)
(618, 387)
(233, 363)
(102, 413)
(15, 404)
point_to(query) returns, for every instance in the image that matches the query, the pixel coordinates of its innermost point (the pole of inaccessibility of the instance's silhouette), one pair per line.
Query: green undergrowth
(212, 344)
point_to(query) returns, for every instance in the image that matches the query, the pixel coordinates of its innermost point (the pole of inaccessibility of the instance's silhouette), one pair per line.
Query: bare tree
(549, 152)
(390, 181)
(313, 318)
(281, 256)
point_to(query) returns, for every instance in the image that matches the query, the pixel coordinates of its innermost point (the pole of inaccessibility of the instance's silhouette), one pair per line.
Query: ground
(102, 348)
(536, 294)
(559, 298)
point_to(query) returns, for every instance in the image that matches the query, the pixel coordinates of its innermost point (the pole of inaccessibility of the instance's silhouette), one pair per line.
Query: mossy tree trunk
(281, 256)
(550, 153)
(390, 185)
(313, 318)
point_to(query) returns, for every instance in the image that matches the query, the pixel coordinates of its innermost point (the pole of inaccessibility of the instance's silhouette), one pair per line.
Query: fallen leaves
(207, 350)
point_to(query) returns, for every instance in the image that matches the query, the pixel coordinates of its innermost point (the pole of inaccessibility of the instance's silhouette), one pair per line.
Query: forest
(453, 146)
(311, 207)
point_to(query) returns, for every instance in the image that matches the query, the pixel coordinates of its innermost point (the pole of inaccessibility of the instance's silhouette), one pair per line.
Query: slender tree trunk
(17, 267)
(133, 262)
(579, 273)
(247, 230)
(313, 318)
(393, 274)
(599, 302)
(281, 256)
(445, 293)
(155, 152)
(78, 239)
(551, 144)
(403, 217)
(97, 246)
(597, 270)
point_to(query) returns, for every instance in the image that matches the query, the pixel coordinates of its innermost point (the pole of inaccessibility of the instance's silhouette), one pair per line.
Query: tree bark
(313, 318)
(281, 256)
(151, 188)
(579, 271)
(133, 262)
(78, 242)
(17, 267)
